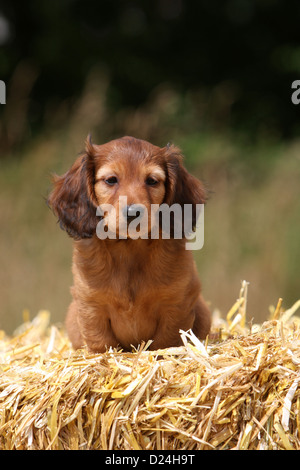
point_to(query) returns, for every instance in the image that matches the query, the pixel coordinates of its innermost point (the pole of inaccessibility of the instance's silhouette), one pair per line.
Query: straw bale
(239, 390)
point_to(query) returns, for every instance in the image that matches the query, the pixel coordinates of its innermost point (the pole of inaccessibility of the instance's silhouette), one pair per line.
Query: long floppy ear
(73, 200)
(182, 187)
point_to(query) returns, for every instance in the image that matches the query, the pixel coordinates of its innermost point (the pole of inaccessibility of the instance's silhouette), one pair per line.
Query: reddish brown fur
(128, 291)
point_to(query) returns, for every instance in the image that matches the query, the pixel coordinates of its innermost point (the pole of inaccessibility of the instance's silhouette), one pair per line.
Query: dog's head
(131, 176)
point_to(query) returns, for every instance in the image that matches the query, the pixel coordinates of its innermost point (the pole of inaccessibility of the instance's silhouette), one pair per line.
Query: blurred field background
(212, 77)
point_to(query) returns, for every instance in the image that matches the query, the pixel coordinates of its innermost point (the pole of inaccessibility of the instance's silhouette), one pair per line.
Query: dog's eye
(151, 181)
(111, 180)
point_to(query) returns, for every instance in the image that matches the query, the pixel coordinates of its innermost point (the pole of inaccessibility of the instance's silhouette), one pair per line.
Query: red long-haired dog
(129, 290)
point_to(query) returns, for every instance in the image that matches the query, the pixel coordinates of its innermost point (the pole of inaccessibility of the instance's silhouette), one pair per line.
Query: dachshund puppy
(128, 289)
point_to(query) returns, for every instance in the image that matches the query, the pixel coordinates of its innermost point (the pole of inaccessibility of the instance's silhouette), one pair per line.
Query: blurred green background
(212, 77)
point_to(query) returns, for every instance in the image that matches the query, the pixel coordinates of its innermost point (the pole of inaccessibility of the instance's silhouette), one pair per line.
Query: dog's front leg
(90, 326)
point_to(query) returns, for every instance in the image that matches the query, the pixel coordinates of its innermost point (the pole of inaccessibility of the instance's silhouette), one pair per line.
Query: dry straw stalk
(238, 391)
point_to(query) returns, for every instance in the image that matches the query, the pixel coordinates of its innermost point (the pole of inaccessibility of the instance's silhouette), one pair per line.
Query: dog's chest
(128, 281)
(131, 326)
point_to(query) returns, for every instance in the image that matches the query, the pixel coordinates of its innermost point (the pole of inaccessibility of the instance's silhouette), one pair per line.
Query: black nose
(132, 211)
